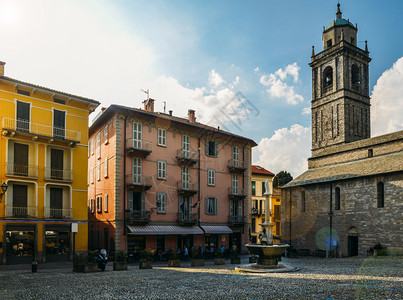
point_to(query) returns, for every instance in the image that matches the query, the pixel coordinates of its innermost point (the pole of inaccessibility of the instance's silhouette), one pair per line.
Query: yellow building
(258, 213)
(43, 168)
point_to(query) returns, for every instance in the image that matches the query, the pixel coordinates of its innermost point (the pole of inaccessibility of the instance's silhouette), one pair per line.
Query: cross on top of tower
(338, 14)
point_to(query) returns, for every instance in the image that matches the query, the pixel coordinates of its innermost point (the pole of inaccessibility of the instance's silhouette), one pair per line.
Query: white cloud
(256, 69)
(306, 111)
(215, 79)
(387, 101)
(288, 149)
(278, 88)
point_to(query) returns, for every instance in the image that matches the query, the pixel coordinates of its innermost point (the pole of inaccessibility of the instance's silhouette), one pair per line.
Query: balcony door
(185, 146)
(56, 203)
(185, 208)
(185, 177)
(59, 124)
(136, 172)
(20, 159)
(137, 135)
(236, 210)
(56, 163)
(235, 184)
(20, 201)
(23, 116)
(235, 156)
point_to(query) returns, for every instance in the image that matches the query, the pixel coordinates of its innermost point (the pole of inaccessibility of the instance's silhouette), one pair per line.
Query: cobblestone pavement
(318, 278)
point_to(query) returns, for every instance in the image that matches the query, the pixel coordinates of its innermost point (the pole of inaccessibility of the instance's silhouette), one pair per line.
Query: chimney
(2, 63)
(149, 105)
(170, 113)
(103, 109)
(192, 117)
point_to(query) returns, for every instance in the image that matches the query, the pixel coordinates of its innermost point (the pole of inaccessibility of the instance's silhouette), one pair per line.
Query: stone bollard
(34, 267)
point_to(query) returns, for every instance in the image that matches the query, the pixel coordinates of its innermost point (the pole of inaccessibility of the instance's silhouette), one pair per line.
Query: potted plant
(85, 263)
(145, 261)
(173, 259)
(120, 263)
(219, 257)
(197, 258)
(235, 259)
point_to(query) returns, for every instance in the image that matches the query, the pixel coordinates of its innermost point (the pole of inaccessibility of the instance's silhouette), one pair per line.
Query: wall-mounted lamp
(4, 188)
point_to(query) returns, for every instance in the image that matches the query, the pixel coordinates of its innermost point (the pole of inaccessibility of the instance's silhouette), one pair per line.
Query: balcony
(257, 212)
(186, 188)
(138, 148)
(236, 193)
(30, 171)
(11, 126)
(236, 166)
(138, 182)
(187, 157)
(235, 220)
(58, 213)
(59, 175)
(187, 219)
(138, 217)
(24, 212)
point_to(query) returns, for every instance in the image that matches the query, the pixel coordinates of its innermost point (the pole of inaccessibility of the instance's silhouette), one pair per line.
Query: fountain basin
(268, 254)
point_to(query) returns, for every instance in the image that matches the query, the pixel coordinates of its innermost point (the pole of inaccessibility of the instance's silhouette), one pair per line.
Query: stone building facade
(351, 196)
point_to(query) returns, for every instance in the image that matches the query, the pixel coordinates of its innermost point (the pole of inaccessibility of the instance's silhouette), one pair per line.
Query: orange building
(158, 181)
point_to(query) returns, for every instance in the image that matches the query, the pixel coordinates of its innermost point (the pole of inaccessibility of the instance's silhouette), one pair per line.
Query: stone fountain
(269, 253)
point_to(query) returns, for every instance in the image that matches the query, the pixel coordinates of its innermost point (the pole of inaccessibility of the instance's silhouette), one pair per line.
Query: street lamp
(4, 188)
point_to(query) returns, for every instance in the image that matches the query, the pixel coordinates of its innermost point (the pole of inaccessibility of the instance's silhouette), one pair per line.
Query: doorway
(352, 245)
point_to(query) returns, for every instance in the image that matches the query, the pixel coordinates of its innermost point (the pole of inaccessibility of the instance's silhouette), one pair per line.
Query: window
(59, 124)
(263, 188)
(22, 92)
(328, 77)
(20, 165)
(106, 200)
(106, 134)
(277, 212)
(210, 177)
(162, 169)
(337, 199)
(137, 135)
(56, 163)
(211, 148)
(185, 177)
(99, 205)
(106, 167)
(20, 201)
(235, 156)
(277, 232)
(211, 205)
(380, 194)
(23, 116)
(137, 166)
(302, 204)
(235, 184)
(99, 171)
(329, 43)
(355, 75)
(185, 146)
(253, 188)
(91, 171)
(99, 145)
(91, 206)
(92, 146)
(253, 225)
(370, 153)
(56, 202)
(162, 137)
(161, 203)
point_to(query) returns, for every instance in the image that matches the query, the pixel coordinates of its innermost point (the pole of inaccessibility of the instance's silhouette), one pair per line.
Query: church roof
(261, 170)
(339, 20)
(388, 163)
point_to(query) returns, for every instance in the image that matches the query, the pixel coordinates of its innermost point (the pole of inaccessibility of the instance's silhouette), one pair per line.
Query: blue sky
(199, 55)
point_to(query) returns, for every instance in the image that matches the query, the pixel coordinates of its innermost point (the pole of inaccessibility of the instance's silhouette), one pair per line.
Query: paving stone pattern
(347, 278)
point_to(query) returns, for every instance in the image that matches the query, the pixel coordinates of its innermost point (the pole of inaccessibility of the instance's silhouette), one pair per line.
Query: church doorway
(352, 241)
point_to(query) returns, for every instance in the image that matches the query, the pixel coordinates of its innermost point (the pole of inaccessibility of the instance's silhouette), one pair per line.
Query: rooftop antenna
(165, 106)
(148, 96)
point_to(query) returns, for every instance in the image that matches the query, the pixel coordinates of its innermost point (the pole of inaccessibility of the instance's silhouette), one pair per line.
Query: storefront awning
(163, 230)
(216, 229)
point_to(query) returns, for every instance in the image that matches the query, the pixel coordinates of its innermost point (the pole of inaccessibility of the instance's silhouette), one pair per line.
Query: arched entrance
(352, 241)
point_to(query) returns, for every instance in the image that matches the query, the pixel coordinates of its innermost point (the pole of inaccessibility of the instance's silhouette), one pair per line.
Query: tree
(281, 178)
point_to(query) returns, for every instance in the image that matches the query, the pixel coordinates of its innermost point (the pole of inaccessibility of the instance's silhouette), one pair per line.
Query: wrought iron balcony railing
(58, 213)
(23, 212)
(21, 170)
(57, 174)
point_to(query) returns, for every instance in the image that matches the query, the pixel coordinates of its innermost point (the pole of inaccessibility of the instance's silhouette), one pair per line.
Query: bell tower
(340, 87)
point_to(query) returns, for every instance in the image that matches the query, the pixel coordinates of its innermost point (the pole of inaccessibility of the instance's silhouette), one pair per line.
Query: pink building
(157, 181)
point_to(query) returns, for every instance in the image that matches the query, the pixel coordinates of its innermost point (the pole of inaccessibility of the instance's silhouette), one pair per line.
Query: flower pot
(197, 262)
(174, 263)
(90, 267)
(219, 261)
(145, 264)
(119, 266)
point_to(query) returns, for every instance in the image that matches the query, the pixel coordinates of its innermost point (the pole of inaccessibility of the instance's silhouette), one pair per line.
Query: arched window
(337, 199)
(380, 194)
(328, 77)
(355, 75)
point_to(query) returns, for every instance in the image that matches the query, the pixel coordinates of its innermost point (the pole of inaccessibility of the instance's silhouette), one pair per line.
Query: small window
(92, 206)
(22, 92)
(106, 167)
(328, 77)
(355, 75)
(99, 205)
(162, 137)
(210, 177)
(106, 199)
(161, 203)
(329, 43)
(106, 134)
(162, 169)
(253, 188)
(211, 206)
(56, 100)
(352, 40)
(99, 145)
(253, 225)
(380, 194)
(370, 153)
(302, 204)
(337, 199)
(211, 148)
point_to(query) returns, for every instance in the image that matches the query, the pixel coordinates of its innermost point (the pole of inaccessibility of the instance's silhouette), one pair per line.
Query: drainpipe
(289, 192)
(243, 187)
(330, 222)
(124, 176)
